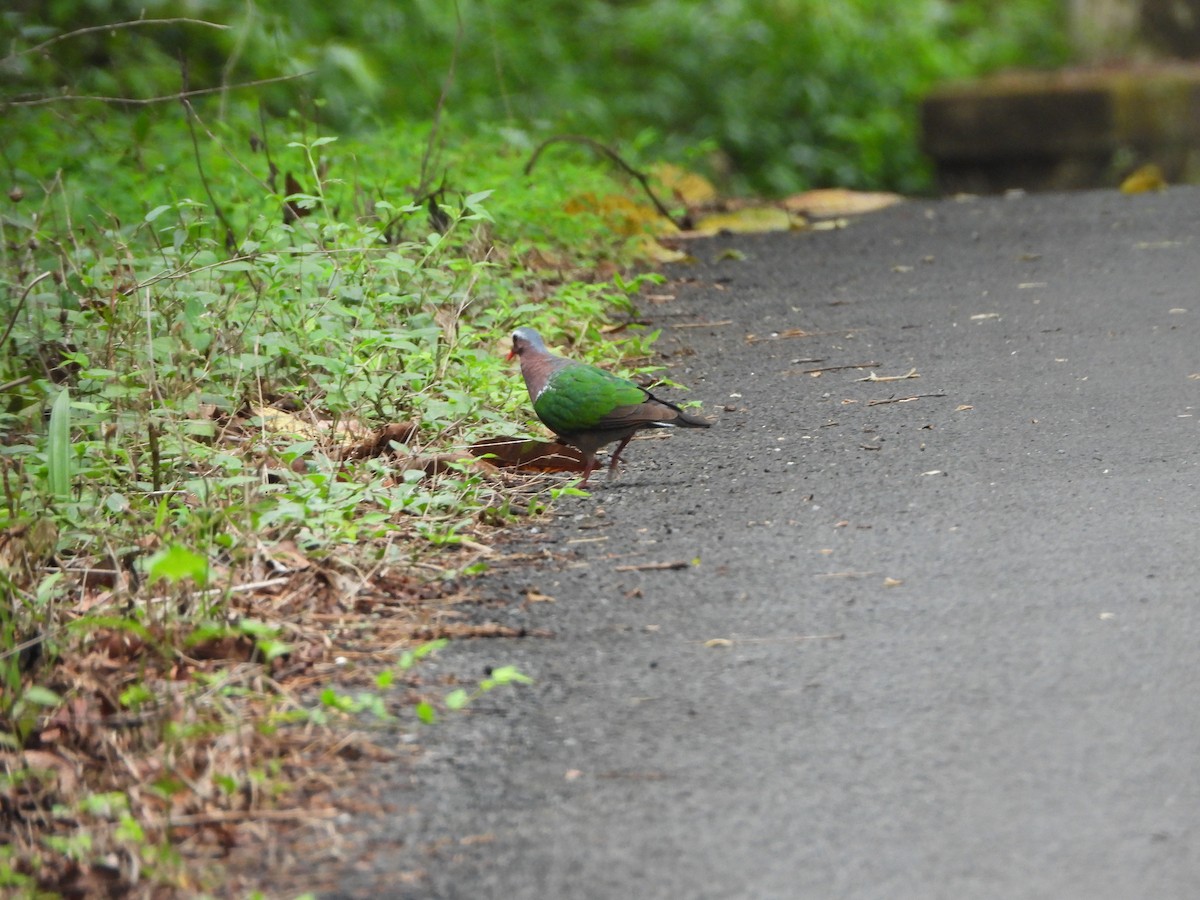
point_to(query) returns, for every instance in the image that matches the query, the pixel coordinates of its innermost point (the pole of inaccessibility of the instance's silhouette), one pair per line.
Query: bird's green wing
(582, 397)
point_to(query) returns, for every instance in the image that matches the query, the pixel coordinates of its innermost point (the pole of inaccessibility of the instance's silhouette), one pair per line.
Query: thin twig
(703, 324)
(242, 815)
(904, 399)
(654, 566)
(786, 334)
(779, 640)
(865, 365)
(165, 98)
(15, 383)
(425, 179)
(232, 589)
(134, 23)
(682, 224)
(911, 373)
(17, 309)
(230, 241)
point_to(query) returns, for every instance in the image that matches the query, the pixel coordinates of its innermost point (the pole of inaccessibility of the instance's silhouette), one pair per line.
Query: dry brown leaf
(440, 463)
(286, 556)
(230, 647)
(63, 771)
(24, 547)
(528, 455)
(292, 211)
(379, 443)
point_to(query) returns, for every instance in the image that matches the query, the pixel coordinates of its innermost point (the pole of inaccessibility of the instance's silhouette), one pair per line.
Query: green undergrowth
(789, 94)
(198, 317)
(163, 296)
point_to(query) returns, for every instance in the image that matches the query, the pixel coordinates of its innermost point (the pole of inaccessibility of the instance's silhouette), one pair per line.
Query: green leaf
(156, 212)
(430, 647)
(175, 563)
(258, 629)
(45, 588)
(168, 785)
(135, 695)
(58, 447)
(273, 649)
(457, 699)
(425, 712)
(409, 658)
(105, 804)
(509, 675)
(130, 829)
(40, 696)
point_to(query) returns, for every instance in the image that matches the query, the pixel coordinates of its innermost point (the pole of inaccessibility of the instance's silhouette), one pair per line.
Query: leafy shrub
(793, 93)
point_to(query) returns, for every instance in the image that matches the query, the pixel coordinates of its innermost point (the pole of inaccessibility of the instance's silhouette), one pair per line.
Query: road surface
(937, 637)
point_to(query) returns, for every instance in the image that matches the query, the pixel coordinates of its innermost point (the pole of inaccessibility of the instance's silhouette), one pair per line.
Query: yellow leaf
(1147, 178)
(646, 247)
(276, 421)
(687, 187)
(623, 215)
(830, 202)
(751, 220)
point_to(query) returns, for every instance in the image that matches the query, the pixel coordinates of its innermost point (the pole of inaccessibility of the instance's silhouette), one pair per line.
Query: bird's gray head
(525, 338)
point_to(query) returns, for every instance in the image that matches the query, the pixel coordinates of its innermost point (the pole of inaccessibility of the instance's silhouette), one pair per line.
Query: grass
(220, 581)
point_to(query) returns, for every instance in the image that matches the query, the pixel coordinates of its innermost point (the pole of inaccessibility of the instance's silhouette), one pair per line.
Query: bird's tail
(687, 420)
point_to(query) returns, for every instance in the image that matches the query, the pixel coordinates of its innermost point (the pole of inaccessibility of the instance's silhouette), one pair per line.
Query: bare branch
(20, 304)
(92, 29)
(682, 224)
(426, 176)
(230, 240)
(166, 98)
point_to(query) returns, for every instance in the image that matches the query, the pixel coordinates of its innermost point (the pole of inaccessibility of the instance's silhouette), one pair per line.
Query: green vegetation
(788, 94)
(198, 518)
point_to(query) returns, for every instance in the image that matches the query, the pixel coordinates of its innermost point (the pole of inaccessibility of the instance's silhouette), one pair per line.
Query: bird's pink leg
(589, 466)
(615, 458)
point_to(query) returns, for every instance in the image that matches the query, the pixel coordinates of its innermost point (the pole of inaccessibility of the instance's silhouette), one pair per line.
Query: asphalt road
(957, 637)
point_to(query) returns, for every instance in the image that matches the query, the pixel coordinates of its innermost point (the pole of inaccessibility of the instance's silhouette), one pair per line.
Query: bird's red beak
(511, 354)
